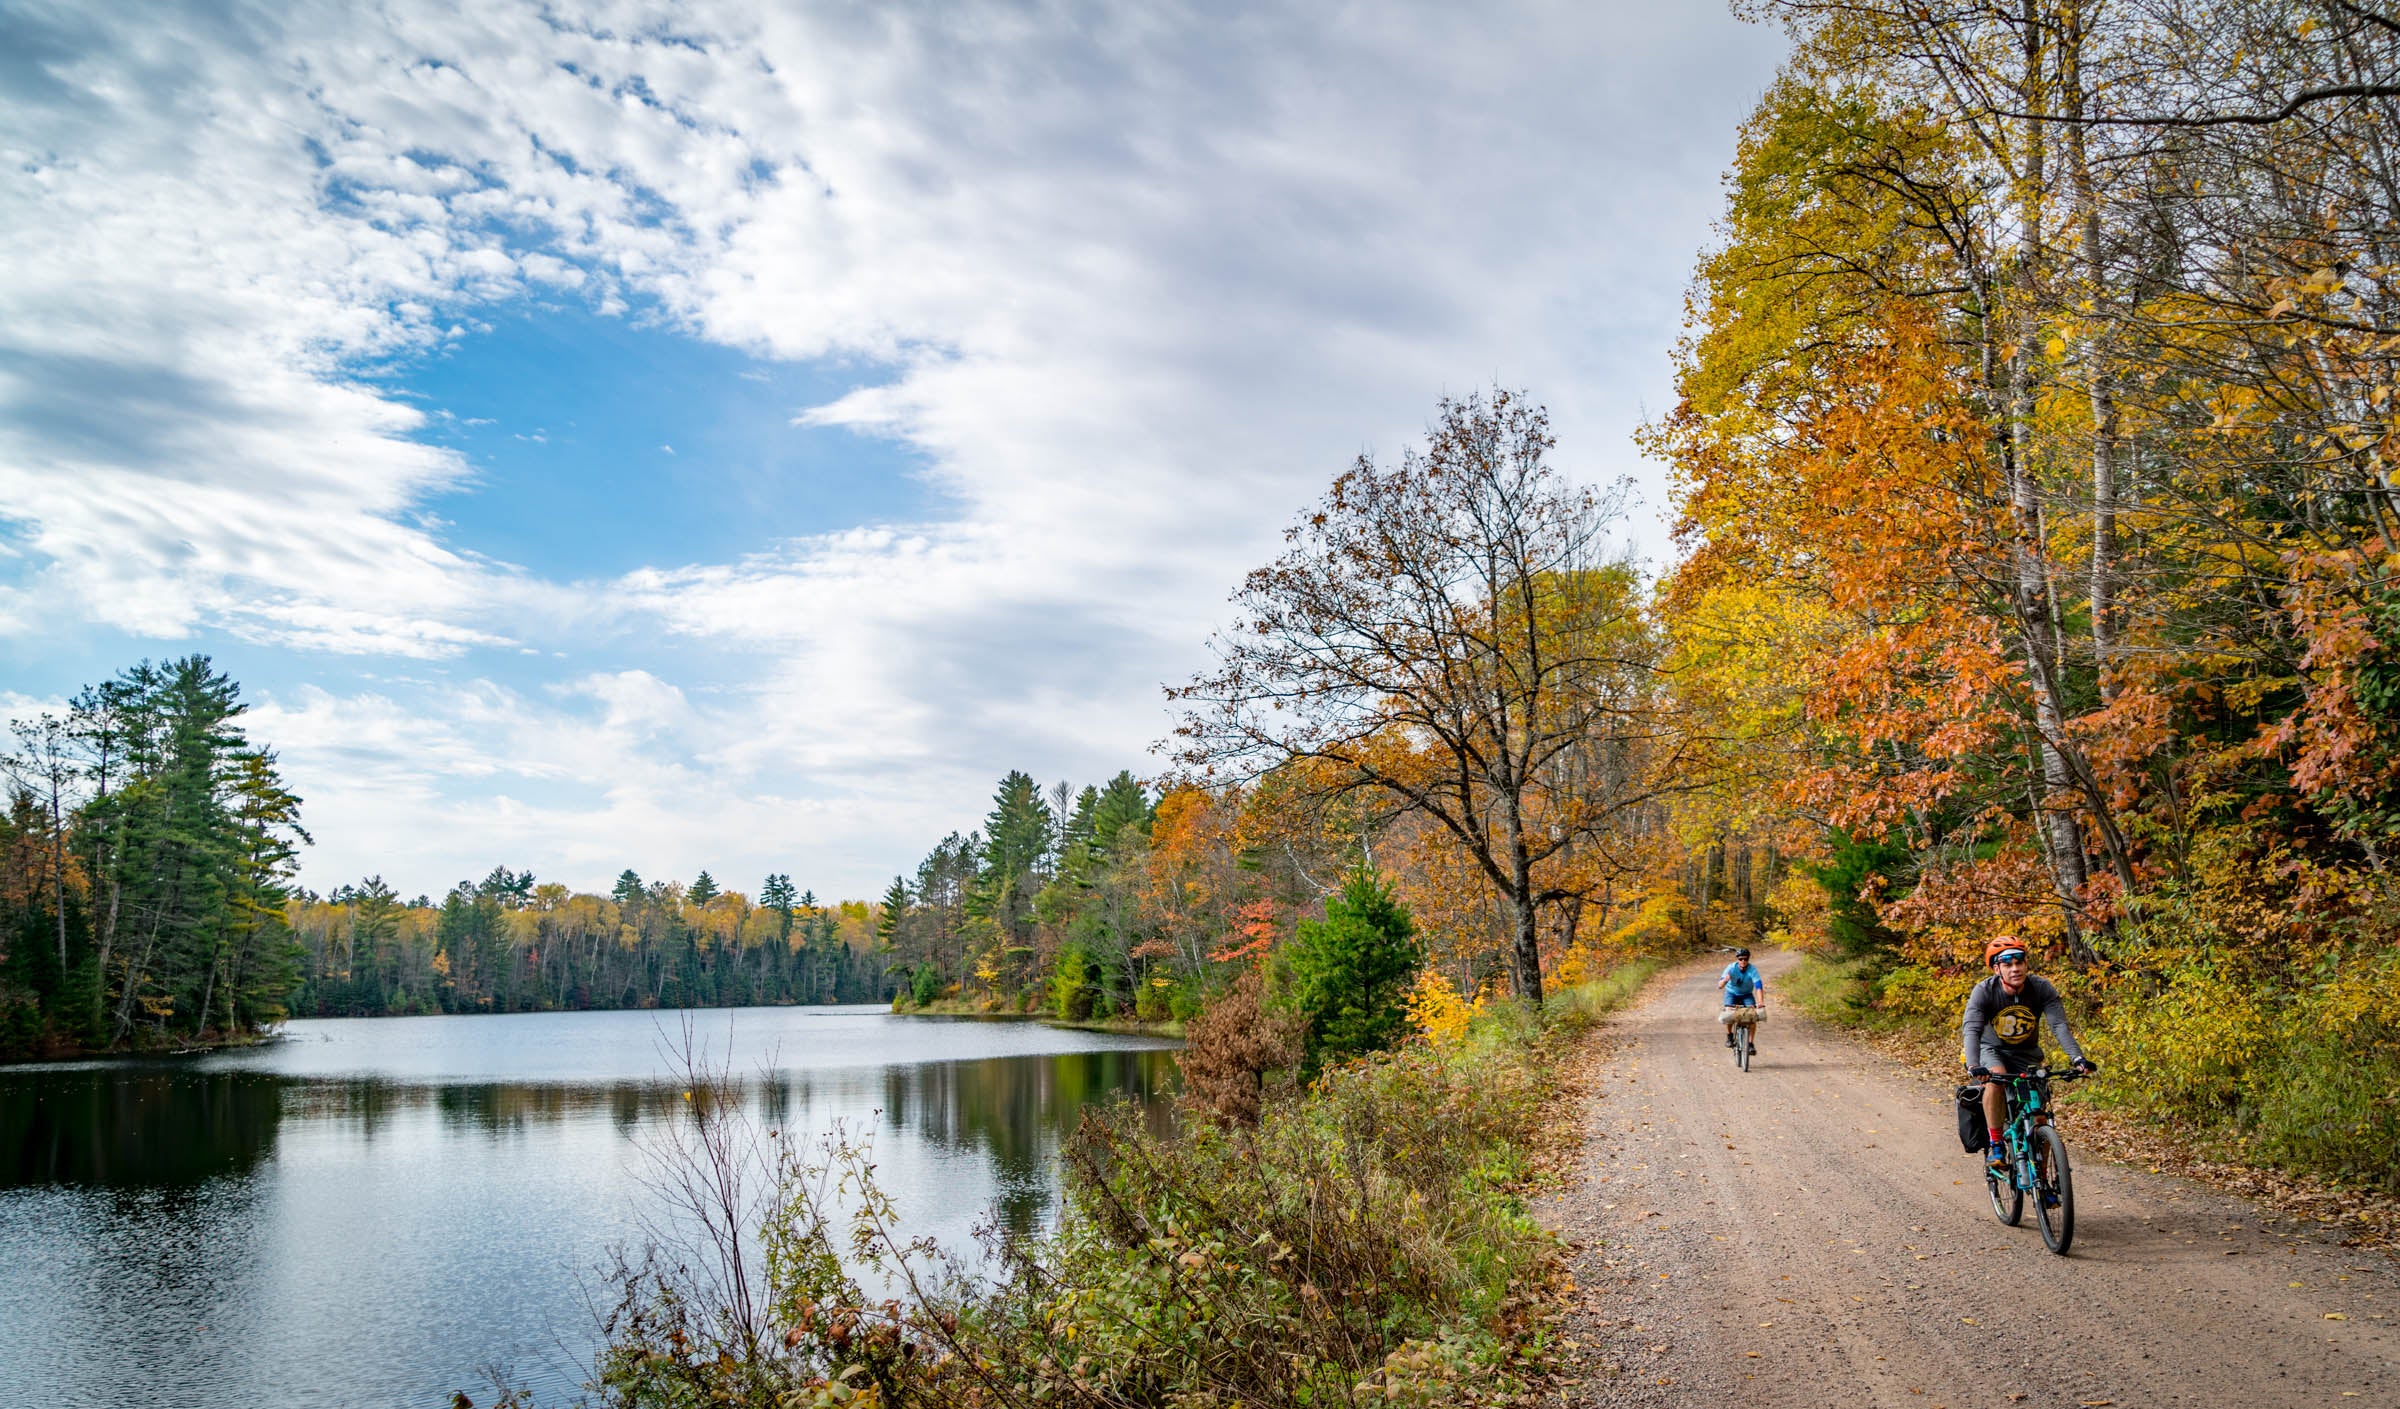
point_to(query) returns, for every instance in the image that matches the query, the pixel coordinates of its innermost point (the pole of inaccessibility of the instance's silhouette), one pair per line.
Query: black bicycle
(2037, 1160)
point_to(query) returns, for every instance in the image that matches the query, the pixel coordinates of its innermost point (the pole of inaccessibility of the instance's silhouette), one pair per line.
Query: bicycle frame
(2028, 1098)
(2029, 1108)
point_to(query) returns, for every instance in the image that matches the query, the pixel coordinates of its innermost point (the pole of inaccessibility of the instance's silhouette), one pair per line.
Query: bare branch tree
(1448, 633)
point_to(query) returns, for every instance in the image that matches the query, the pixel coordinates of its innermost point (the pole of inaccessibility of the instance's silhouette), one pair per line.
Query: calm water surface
(372, 1210)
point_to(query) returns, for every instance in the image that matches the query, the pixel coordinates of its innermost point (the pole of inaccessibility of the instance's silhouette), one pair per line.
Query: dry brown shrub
(1231, 1047)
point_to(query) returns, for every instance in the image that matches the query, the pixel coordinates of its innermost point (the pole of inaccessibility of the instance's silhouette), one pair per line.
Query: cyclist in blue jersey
(1743, 987)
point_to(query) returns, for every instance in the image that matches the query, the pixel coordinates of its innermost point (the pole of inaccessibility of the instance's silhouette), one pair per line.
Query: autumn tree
(1448, 633)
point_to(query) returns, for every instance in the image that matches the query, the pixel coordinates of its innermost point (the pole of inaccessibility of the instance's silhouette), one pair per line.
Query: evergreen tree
(1348, 974)
(704, 889)
(512, 889)
(1082, 826)
(1123, 803)
(145, 861)
(776, 895)
(1016, 861)
(895, 913)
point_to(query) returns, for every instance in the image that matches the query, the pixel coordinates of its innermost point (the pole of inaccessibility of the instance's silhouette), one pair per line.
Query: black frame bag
(1974, 1133)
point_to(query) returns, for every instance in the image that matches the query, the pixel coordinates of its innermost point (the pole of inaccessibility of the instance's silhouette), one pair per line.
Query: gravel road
(1809, 1233)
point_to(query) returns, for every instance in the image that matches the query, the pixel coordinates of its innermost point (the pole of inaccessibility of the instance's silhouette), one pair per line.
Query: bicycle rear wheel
(2053, 1190)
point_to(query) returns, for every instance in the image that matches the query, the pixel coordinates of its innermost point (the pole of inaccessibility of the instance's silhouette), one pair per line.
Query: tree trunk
(58, 869)
(1525, 947)
(2099, 370)
(2032, 587)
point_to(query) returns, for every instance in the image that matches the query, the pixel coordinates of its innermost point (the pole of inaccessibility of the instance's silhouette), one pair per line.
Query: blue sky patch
(601, 445)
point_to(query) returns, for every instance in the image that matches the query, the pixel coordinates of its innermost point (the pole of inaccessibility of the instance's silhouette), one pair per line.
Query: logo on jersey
(2014, 1024)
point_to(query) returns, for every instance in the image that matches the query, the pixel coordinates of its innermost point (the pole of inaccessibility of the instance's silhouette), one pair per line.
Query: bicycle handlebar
(2037, 1074)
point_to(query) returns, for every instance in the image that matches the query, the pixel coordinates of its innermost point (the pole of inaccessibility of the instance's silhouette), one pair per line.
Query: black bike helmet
(1741, 953)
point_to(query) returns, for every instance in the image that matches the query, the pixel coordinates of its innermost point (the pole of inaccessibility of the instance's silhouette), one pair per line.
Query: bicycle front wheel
(2053, 1190)
(1741, 1045)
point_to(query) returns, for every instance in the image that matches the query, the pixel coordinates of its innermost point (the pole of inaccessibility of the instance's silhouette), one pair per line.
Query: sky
(731, 436)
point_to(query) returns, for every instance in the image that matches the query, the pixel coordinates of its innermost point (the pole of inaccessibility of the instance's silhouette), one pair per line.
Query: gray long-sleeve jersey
(1998, 1023)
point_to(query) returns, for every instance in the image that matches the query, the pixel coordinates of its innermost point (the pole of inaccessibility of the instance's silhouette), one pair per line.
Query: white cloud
(1139, 280)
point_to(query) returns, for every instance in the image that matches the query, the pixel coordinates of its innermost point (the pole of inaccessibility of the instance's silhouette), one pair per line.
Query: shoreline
(157, 1053)
(954, 1008)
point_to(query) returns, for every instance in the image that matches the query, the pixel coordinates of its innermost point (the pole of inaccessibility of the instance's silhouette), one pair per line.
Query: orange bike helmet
(1998, 945)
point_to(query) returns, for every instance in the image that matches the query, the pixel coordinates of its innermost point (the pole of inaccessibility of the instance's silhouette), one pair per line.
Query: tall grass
(1586, 1003)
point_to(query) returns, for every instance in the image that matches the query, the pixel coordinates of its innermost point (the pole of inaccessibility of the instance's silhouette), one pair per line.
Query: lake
(371, 1210)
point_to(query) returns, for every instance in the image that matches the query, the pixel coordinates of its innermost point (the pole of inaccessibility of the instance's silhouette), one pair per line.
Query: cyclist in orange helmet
(2001, 1028)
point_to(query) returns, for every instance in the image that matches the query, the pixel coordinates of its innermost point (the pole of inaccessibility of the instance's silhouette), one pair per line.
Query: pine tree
(1016, 861)
(895, 913)
(1123, 803)
(775, 893)
(1349, 972)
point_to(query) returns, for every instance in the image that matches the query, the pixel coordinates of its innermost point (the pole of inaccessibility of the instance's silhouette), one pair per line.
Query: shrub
(925, 985)
(1230, 1048)
(1361, 1242)
(20, 1024)
(1439, 1011)
(1071, 984)
(2189, 1043)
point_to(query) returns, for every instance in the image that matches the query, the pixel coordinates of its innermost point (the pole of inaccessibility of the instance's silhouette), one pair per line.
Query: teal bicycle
(2037, 1160)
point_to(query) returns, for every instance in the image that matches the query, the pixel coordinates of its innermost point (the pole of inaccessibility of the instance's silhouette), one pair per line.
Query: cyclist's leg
(1995, 1096)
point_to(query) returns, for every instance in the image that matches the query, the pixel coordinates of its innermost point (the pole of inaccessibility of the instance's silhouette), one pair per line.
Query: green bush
(1070, 987)
(1348, 974)
(20, 1025)
(925, 985)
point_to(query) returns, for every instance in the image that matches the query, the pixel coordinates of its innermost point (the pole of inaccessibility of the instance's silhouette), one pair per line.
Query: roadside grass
(1586, 1003)
(1368, 1242)
(1836, 992)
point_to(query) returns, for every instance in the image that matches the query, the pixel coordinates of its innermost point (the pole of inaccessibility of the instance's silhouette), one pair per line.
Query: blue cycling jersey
(1742, 983)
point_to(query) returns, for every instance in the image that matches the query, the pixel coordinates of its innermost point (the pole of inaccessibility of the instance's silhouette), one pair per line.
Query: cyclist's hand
(2087, 1066)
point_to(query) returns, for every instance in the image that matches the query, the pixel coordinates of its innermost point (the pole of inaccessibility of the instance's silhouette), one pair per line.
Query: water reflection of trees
(1017, 1110)
(134, 1127)
(138, 1127)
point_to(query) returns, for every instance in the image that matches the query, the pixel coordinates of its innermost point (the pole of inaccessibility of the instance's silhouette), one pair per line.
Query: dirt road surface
(1810, 1233)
